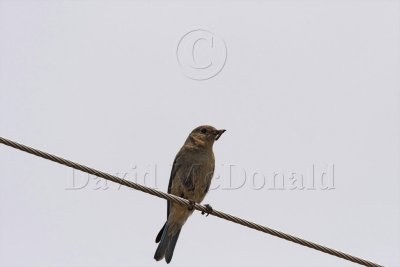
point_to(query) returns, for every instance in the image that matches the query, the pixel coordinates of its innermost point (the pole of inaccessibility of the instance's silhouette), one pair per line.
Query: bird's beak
(219, 133)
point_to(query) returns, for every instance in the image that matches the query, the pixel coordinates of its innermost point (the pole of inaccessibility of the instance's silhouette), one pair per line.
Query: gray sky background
(305, 83)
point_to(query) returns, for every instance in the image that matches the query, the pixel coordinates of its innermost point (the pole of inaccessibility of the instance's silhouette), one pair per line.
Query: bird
(190, 178)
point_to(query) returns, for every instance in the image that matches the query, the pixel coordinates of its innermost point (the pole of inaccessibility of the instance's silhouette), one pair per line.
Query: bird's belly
(179, 214)
(201, 184)
(201, 193)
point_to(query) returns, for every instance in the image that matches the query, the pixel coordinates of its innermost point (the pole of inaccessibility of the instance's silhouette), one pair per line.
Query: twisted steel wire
(188, 204)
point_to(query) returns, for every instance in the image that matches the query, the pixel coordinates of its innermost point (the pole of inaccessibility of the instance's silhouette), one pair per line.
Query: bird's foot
(191, 205)
(208, 211)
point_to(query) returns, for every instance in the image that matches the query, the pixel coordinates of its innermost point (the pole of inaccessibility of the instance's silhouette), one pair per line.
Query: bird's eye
(203, 130)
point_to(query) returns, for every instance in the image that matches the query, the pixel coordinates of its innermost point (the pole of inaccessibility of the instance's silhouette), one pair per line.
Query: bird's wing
(174, 170)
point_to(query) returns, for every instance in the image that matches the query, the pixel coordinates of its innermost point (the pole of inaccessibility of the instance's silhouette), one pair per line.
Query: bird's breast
(202, 176)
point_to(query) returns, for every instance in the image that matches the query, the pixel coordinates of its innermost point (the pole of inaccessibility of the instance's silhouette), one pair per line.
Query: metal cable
(186, 203)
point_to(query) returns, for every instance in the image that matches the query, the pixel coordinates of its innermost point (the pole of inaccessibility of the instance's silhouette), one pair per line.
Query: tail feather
(171, 246)
(167, 244)
(162, 247)
(158, 238)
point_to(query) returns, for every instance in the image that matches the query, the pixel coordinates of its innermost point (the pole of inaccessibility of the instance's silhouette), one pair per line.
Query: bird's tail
(167, 239)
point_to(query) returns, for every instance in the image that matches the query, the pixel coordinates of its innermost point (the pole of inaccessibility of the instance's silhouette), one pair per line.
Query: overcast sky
(308, 91)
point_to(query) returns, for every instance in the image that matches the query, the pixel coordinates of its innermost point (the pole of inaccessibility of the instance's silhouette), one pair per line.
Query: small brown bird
(191, 176)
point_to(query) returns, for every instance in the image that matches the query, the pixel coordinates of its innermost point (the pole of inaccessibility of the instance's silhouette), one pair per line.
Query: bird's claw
(191, 205)
(209, 210)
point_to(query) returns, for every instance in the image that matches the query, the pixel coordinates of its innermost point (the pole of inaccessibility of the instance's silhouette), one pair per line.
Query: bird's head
(205, 135)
